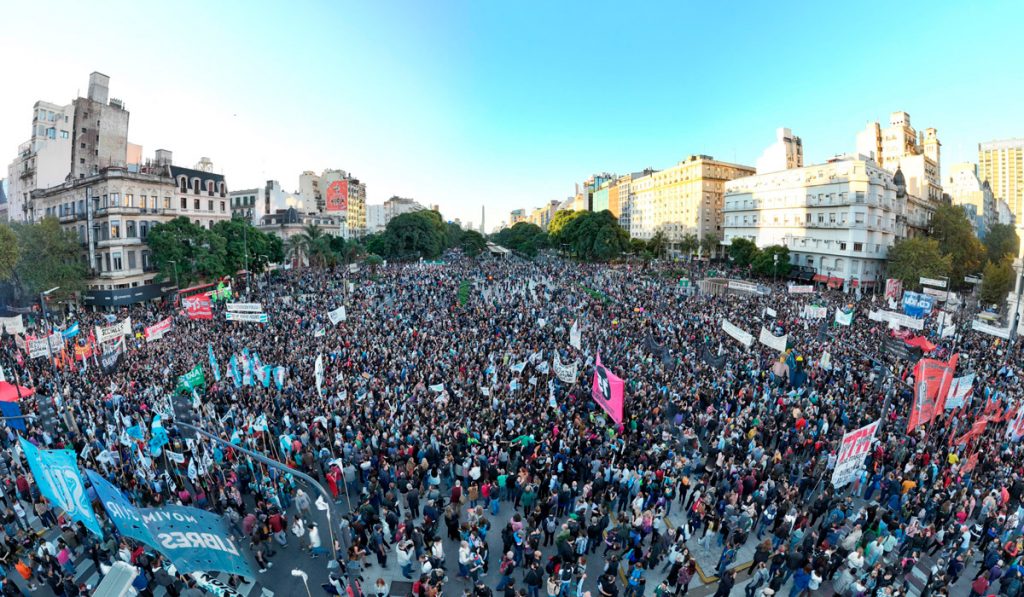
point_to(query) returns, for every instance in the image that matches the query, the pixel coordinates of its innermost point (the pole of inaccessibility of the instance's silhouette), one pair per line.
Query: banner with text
(743, 337)
(772, 341)
(158, 330)
(852, 451)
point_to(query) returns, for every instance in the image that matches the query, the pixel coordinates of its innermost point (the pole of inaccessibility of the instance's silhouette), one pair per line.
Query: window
(129, 200)
(821, 218)
(858, 247)
(210, 205)
(115, 228)
(184, 203)
(195, 204)
(107, 256)
(129, 229)
(131, 259)
(222, 206)
(145, 260)
(832, 218)
(51, 133)
(63, 134)
(143, 230)
(116, 258)
(858, 218)
(842, 246)
(859, 196)
(115, 199)
(167, 202)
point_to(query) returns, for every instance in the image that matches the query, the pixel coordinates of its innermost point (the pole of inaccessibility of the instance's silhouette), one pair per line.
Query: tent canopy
(9, 393)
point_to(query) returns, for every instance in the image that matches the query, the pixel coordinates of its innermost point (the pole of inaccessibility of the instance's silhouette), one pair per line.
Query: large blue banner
(56, 474)
(916, 304)
(194, 540)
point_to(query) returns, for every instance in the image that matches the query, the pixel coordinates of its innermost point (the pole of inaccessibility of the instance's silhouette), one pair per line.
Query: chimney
(99, 87)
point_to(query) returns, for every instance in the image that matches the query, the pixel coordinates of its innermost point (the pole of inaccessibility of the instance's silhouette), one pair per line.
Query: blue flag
(236, 377)
(71, 332)
(265, 375)
(213, 363)
(192, 539)
(56, 474)
(279, 377)
(11, 409)
(135, 432)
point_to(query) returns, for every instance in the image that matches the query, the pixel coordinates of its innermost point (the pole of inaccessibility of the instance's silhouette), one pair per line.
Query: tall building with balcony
(340, 194)
(917, 155)
(1001, 163)
(100, 133)
(963, 187)
(683, 199)
(396, 206)
(42, 161)
(839, 218)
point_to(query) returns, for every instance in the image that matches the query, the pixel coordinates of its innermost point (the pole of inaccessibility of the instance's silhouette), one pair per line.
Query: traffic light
(181, 406)
(46, 416)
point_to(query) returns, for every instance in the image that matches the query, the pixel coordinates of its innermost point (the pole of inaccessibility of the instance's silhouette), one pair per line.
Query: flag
(337, 315)
(71, 331)
(959, 391)
(56, 474)
(197, 307)
(518, 367)
(932, 379)
(437, 387)
(213, 363)
(319, 374)
(265, 375)
(243, 364)
(844, 317)
(236, 377)
(279, 377)
(1015, 431)
(607, 391)
(191, 380)
(576, 336)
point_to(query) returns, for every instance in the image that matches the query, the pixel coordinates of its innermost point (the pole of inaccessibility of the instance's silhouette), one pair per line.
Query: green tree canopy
(558, 223)
(414, 235)
(689, 244)
(709, 244)
(657, 244)
(913, 258)
(244, 244)
(523, 237)
(596, 236)
(192, 252)
(998, 281)
(742, 251)
(1001, 241)
(765, 264)
(951, 228)
(9, 252)
(472, 243)
(48, 257)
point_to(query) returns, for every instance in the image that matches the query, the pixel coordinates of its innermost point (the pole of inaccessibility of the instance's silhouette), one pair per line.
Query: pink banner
(607, 390)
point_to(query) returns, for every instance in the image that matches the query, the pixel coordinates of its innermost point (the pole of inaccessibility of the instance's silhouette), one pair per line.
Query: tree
(765, 263)
(742, 251)
(244, 245)
(316, 244)
(187, 252)
(523, 237)
(709, 244)
(596, 236)
(417, 234)
(378, 244)
(657, 244)
(951, 228)
(472, 243)
(373, 261)
(558, 223)
(998, 281)
(48, 257)
(1001, 241)
(913, 258)
(637, 246)
(9, 252)
(689, 244)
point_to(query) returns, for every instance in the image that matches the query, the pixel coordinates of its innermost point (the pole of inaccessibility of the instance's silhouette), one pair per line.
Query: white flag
(576, 336)
(319, 373)
(321, 504)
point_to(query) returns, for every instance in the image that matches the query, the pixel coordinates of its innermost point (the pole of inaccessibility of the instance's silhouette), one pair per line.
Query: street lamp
(175, 264)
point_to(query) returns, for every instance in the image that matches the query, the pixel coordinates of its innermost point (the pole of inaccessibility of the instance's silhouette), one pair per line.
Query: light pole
(775, 268)
(42, 301)
(175, 264)
(305, 579)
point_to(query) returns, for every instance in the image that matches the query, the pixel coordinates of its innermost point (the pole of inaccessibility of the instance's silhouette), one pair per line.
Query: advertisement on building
(336, 197)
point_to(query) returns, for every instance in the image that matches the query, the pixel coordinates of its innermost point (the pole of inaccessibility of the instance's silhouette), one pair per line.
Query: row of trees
(422, 234)
(37, 257)
(772, 260)
(188, 253)
(952, 250)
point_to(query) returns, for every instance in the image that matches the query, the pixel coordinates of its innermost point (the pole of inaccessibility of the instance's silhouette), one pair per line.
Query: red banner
(197, 307)
(157, 330)
(932, 379)
(83, 352)
(607, 390)
(337, 196)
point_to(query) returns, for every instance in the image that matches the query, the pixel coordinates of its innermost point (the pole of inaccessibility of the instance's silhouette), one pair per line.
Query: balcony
(118, 242)
(27, 172)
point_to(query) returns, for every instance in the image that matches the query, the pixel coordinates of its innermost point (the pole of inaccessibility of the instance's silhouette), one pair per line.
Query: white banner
(576, 336)
(936, 292)
(12, 325)
(897, 319)
(844, 318)
(337, 315)
(175, 457)
(852, 452)
(743, 337)
(565, 373)
(114, 332)
(257, 317)
(801, 289)
(772, 341)
(245, 307)
(38, 347)
(318, 372)
(933, 282)
(742, 286)
(991, 330)
(814, 312)
(770, 312)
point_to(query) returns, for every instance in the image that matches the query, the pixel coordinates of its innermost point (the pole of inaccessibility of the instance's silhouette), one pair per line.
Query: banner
(933, 282)
(114, 332)
(12, 325)
(111, 359)
(337, 315)
(814, 312)
(213, 363)
(192, 539)
(279, 377)
(607, 391)
(38, 347)
(319, 374)
(916, 304)
(1015, 430)
(244, 307)
(844, 317)
(198, 307)
(256, 317)
(576, 336)
(896, 319)
(71, 331)
(770, 312)
(959, 390)
(191, 380)
(932, 379)
(893, 289)
(991, 330)
(56, 475)
(83, 352)
(801, 289)
(852, 452)
(157, 330)
(743, 337)
(771, 341)
(742, 286)
(567, 374)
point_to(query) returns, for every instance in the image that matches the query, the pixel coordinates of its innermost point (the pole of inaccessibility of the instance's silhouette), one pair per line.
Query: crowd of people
(438, 412)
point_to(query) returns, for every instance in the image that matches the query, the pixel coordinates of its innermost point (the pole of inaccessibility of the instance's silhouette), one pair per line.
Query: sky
(508, 105)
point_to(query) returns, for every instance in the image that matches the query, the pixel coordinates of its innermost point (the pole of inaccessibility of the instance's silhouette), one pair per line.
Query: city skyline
(448, 106)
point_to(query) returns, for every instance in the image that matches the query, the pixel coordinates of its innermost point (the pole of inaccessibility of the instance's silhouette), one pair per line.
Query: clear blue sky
(509, 104)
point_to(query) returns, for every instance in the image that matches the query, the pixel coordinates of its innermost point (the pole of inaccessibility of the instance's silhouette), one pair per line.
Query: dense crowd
(436, 414)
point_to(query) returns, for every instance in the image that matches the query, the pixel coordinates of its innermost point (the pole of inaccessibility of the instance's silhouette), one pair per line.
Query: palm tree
(689, 244)
(314, 243)
(295, 248)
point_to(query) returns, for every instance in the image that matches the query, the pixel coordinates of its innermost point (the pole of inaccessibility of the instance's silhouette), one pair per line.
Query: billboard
(336, 197)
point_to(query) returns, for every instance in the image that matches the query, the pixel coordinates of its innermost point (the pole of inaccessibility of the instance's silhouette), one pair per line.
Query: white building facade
(839, 218)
